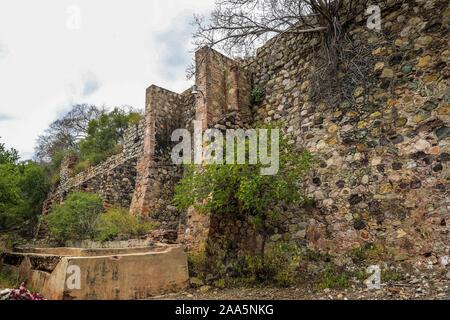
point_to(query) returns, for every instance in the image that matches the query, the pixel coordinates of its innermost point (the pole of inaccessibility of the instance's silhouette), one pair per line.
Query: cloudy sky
(56, 53)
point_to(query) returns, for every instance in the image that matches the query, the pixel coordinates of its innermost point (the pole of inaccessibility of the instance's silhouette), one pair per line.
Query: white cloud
(121, 48)
(4, 117)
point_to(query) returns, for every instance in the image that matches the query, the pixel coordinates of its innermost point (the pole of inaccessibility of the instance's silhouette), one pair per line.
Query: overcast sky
(50, 59)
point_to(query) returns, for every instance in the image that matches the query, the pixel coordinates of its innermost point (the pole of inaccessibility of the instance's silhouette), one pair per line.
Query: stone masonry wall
(142, 177)
(166, 111)
(223, 103)
(382, 152)
(382, 170)
(112, 179)
(383, 156)
(224, 85)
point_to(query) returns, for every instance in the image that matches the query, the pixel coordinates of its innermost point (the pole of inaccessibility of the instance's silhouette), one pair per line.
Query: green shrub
(7, 279)
(334, 278)
(76, 217)
(360, 274)
(241, 189)
(197, 264)
(257, 95)
(82, 217)
(119, 223)
(284, 260)
(11, 201)
(369, 253)
(81, 166)
(278, 267)
(221, 283)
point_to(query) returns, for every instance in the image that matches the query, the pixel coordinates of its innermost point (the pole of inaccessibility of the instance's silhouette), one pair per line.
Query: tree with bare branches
(238, 26)
(66, 132)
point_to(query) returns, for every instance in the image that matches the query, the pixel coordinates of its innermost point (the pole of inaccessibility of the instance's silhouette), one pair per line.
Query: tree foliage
(8, 156)
(23, 188)
(104, 134)
(10, 199)
(66, 132)
(240, 188)
(87, 133)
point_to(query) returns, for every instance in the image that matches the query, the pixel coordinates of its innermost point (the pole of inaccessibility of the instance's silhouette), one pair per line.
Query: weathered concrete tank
(100, 274)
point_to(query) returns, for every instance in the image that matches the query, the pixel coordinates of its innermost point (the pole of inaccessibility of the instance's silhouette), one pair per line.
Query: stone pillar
(156, 174)
(65, 174)
(225, 88)
(66, 168)
(225, 85)
(140, 201)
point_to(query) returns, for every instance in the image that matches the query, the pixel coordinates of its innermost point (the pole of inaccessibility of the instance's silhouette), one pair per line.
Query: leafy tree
(105, 134)
(240, 188)
(65, 133)
(10, 196)
(90, 133)
(8, 156)
(34, 186)
(23, 188)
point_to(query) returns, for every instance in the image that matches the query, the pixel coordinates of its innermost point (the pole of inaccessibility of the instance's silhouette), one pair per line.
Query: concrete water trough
(100, 274)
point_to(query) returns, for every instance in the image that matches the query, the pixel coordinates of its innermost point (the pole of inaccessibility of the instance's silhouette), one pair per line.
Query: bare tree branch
(64, 133)
(239, 26)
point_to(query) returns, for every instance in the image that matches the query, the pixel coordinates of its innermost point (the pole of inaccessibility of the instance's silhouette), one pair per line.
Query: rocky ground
(424, 279)
(426, 285)
(389, 292)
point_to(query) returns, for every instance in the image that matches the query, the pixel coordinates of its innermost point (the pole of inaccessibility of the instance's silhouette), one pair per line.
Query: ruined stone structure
(382, 174)
(165, 112)
(100, 273)
(113, 179)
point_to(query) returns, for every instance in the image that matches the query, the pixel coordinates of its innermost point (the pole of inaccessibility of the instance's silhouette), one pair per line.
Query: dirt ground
(391, 292)
(424, 286)
(397, 291)
(420, 284)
